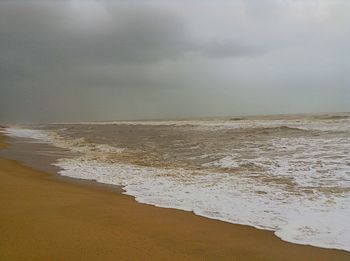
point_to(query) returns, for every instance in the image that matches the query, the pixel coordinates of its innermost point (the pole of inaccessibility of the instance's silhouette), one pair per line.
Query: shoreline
(40, 212)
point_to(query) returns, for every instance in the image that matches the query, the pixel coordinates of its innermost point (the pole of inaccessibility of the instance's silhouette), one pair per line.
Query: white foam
(37, 135)
(80, 145)
(317, 220)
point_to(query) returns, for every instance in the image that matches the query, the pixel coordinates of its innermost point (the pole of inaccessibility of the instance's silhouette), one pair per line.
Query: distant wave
(280, 129)
(336, 117)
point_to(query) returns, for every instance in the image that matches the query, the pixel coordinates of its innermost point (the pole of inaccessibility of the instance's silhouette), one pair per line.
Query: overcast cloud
(108, 60)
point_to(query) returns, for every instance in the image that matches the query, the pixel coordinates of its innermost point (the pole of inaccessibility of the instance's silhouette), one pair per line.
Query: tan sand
(44, 218)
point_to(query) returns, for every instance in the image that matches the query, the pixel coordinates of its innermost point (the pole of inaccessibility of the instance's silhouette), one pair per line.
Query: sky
(76, 60)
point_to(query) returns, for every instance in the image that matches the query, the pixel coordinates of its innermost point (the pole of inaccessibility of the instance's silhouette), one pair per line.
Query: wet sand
(45, 218)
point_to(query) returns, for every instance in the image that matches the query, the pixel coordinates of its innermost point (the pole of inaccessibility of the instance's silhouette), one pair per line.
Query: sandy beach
(45, 218)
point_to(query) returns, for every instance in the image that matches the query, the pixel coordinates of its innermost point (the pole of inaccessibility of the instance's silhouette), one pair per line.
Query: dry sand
(44, 218)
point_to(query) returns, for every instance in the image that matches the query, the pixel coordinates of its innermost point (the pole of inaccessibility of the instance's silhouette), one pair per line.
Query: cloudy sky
(107, 60)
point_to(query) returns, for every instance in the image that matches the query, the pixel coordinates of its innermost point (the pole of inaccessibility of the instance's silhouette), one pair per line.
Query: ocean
(286, 173)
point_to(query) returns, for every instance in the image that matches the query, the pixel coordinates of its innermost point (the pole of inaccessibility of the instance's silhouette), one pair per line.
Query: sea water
(289, 174)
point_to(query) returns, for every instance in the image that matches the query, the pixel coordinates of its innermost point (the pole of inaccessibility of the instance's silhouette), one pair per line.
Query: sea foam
(315, 220)
(37, 135)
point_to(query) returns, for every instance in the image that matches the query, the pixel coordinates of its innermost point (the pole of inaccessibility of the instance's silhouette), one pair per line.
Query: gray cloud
(86, 60)
(47, 33)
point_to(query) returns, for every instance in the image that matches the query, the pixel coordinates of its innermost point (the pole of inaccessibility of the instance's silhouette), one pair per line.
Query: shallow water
(289, 174)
